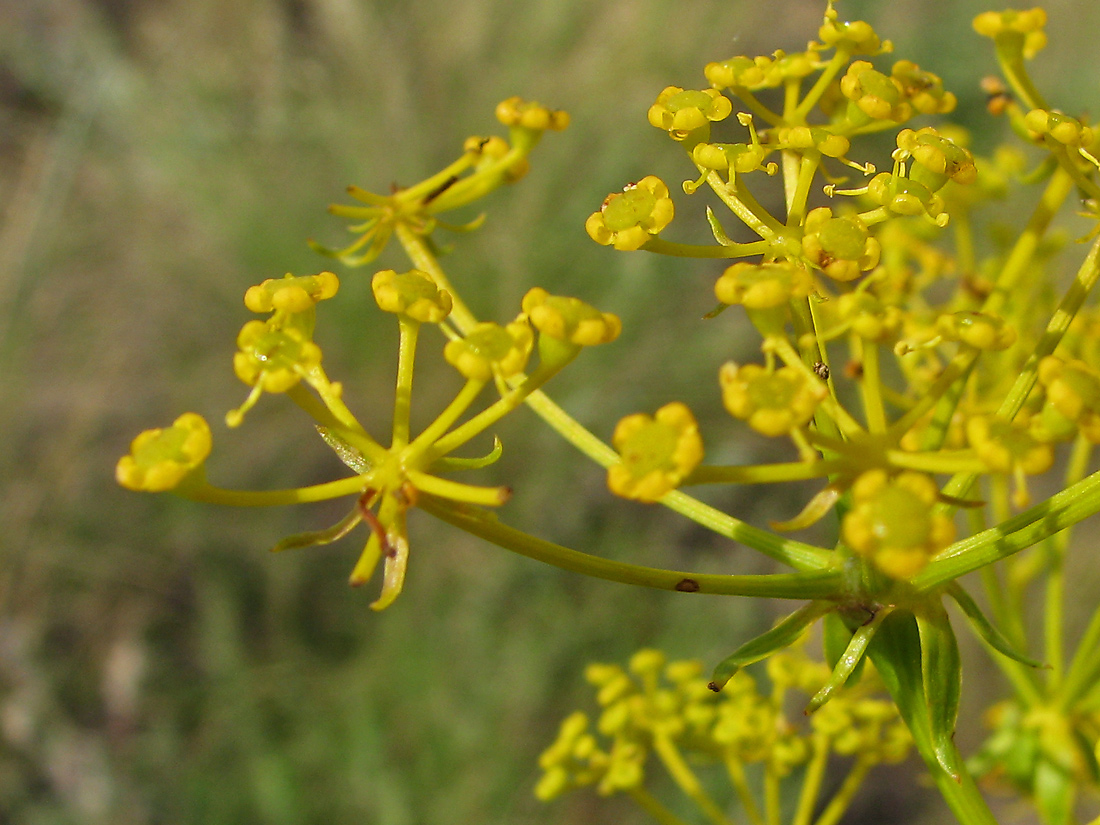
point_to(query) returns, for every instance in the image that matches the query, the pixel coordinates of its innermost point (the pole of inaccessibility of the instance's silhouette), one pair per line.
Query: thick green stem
(809, 585)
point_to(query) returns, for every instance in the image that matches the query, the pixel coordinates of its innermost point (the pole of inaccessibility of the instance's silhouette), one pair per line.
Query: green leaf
(985, 629)
(782, 635)
(849, 659)
(450, 463)
(941, 675)
(346, 453)
(317, 537)
(717, 229)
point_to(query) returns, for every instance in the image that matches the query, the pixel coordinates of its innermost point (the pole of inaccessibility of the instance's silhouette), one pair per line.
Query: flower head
(681, 112)
(977, 329)
(657, 451)
(1022, 30)
(291, 294)
(868, 317)
(763, 285)
(904, 196)
(892, 522)
(923, 89)
(160, 459)
(488, 347)
(628, 219)
(1066, 130)
(874, 95)
(936, 158)
(529, 115)
(841, 247)
(570, 319)
(773, 403)
(412, 293)
(750, 73)
(855, 37)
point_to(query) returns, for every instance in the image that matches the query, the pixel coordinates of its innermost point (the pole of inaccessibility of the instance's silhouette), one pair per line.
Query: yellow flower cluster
(654, 709)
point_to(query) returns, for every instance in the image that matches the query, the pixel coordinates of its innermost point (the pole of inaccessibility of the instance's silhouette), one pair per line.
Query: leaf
(782, 635)
(985, 629)
(850, 658)
(451, 463)
(941, 674)
(316, 537)
(717, 230)
(815, 510)
(347, 453)
(896, 654)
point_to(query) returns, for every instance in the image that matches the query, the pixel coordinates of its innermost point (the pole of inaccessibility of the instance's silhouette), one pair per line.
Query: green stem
(685, 778)
(688, 250)
(652, 806)
(1064, 509)
(764, 473)
(1053, 614)
(275, 498)
(489, 416)
(836, 63)
(811, 780)
(1087, 276)
(402, 396)
(1009, 51)
(1015, 266)
(796, 554)
(842, 799)
(445, 419)
(870, 383)
(736, 771)
(742, 204)
(806, 585)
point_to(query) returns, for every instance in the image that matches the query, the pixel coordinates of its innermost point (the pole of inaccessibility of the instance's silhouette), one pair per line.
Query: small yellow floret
(488, 347)
(657, 452)
(412, 293)
(892, 522)
(159, 459)
(628, 219)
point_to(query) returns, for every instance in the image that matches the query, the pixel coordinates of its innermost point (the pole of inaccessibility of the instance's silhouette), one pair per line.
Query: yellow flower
(628, 219)
(764, 285)
(412, 293)
(773, 403)
(1008, 446)
(657, 452)
(570, 319)
(1065, 129)
(290, 294)
(875, 95)
(490, 346)
(841, 247)
(936, 158)
(272, 359)
(681, 112)
(160, 459)
(892, 522)
(526, 114)
(923, 89)
(1021, 29)
(977, 329)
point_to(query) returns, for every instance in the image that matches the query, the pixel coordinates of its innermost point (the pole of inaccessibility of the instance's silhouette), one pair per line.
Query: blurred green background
(157, 665)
